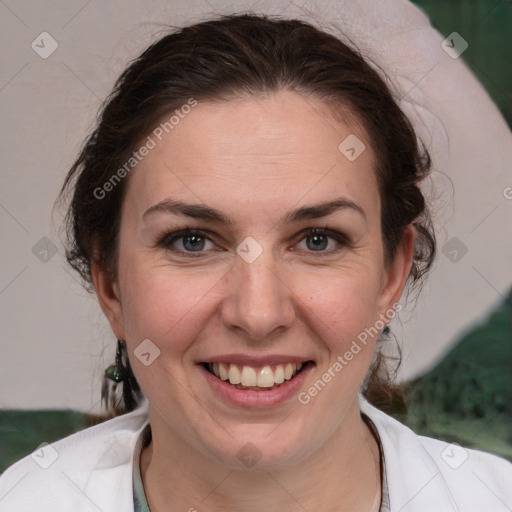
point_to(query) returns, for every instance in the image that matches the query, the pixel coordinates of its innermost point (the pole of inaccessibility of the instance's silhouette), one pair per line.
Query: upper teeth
(264, 377)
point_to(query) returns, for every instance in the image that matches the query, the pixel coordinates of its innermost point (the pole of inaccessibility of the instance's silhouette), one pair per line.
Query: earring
(117, 372)
(127, 398)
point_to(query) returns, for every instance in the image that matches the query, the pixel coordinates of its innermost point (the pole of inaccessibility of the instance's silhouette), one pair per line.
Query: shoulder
(424, 473)
(73, 473)
(473, 472)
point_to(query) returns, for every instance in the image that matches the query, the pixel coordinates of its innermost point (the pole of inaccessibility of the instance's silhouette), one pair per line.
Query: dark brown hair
(235, 56)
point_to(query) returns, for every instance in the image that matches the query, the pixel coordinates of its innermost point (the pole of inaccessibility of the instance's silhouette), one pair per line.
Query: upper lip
(246, 360)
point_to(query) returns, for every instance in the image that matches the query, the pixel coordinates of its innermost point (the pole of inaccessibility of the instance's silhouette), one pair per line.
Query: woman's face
(253, 289)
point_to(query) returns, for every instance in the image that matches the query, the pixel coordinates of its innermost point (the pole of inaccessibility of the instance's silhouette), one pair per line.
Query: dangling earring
(121, 372)
(117, 372)
(383, 335)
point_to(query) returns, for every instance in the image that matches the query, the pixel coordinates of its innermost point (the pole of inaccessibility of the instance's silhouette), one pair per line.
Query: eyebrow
(203, 212)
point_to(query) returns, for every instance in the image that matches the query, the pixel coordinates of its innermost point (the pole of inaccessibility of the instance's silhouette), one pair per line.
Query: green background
(486, 25)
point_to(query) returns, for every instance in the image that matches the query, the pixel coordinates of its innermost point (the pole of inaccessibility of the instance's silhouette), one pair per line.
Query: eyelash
(167, 239)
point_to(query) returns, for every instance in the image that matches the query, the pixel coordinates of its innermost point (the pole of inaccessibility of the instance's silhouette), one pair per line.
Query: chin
(259, 451)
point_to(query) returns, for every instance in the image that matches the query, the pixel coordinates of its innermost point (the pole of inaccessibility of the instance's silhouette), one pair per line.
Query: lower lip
(257, 399)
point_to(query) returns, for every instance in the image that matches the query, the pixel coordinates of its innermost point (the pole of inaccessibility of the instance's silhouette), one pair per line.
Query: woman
(248, 213)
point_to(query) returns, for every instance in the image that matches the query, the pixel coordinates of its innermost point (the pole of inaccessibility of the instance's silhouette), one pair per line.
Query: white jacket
(91, 471)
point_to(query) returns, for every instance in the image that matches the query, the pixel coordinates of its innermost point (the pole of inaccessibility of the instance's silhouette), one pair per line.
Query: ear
(109, 298)
(396, 274)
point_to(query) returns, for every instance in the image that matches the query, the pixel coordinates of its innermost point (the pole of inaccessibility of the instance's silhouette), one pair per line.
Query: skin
(254, 159)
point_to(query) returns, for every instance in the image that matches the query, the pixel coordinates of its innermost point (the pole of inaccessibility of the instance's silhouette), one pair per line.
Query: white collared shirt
(92, 471)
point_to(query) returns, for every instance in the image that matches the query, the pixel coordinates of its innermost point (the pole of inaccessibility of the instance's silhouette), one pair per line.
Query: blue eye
(320, 239)
(195, 240)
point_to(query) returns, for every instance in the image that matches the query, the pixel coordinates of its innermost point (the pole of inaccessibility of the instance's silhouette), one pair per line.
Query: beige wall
(53, 334)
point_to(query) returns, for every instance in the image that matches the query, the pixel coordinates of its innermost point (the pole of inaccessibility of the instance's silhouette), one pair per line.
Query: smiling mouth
(265, 378)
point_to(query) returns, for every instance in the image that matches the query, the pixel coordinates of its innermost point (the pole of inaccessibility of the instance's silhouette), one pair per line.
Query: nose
(259, 302)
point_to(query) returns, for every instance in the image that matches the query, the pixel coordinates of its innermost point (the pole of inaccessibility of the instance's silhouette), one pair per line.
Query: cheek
(343, 303)
(168, 309)
(340, 310)
(164, 306)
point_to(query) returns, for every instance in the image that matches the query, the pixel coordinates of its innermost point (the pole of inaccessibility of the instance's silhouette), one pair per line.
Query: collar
(415, 482)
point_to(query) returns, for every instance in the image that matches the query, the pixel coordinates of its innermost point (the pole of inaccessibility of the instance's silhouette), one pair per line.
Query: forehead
(255, 152)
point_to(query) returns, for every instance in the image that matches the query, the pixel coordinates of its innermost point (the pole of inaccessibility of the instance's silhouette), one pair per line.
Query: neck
(342, 475)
